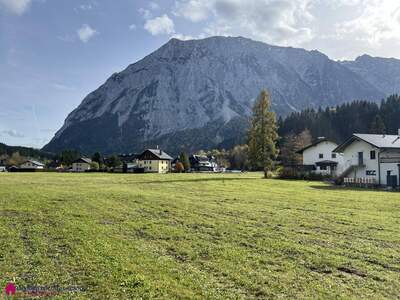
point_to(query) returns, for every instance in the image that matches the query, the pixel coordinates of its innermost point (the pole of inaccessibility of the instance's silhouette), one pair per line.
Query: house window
(323, 168)
(321, 155)
(333, 155)
(373, 155)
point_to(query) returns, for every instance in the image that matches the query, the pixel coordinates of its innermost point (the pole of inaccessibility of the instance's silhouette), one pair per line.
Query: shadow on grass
(346, 189)
(196, 180)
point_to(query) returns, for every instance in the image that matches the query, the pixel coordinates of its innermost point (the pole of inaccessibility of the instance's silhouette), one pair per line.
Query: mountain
(198, 94)
(382, 73)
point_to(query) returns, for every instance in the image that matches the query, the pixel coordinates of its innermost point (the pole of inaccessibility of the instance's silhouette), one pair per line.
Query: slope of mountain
(383, 73)
(198, 94)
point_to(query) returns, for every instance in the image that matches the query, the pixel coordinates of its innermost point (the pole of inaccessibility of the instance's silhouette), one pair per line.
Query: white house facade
(321, 156)
(31, 165)
(82, 164)
(155, 161)
(372, 158)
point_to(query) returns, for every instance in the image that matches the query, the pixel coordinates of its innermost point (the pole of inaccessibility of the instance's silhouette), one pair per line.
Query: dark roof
(83, 160)
(315, 143)
(380, 141)
(199, 158)
(158, 153)
(128, 157)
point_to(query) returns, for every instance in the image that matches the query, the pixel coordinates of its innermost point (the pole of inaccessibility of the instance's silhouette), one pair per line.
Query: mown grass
(197, 236)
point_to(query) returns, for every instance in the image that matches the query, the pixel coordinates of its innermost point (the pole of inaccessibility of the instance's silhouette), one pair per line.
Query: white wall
(29, 165)
(370, 165)
(311, 155)
(80, 167)
(155, 166)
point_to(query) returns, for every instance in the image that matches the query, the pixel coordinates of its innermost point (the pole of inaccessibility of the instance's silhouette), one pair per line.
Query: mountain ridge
(187, 86)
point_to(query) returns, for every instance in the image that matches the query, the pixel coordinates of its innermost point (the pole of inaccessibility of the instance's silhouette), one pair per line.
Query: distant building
(202, 163)
(130, 162)
(31, 165)
(320, 157)
(2, 169)
(372, 157)
(82, 164)
(154, 161)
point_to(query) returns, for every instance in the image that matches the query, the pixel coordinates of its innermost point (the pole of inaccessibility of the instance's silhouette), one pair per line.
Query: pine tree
(377, 126)
(262, 136)
(97, 158)
(184, 159)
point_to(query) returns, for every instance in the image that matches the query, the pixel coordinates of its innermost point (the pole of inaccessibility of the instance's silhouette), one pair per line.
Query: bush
(293, 173)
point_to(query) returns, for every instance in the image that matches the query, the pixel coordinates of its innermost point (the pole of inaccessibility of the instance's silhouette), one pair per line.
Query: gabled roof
(35, 162)
(200, 158)
(83, 160)
(158, 153)
(315, 143)
(380, 141)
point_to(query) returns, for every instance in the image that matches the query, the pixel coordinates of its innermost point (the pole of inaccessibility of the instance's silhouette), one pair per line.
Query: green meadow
(196, 236)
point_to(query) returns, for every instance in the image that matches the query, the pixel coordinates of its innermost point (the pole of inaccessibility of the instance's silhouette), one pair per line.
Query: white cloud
(160, 25)
(145, 13)
(132, 27)
(193, 10)
(86, 6)
(379, 22)
(15, 6)
(183, 37)
(274, 21)
(85, 33)
(12, 133)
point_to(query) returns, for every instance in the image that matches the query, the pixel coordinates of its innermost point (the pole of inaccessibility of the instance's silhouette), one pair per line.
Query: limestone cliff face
(198, 94)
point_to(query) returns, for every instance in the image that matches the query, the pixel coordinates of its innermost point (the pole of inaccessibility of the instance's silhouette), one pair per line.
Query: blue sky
(54, 52)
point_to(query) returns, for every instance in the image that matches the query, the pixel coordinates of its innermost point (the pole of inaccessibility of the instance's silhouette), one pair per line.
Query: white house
(321, 157)
(375, 157)
(31, 165)
(155, 161)
(81, 164)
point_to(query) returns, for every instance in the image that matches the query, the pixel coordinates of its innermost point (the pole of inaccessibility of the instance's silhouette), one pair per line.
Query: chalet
(31, 165)
(202, 163)
(154, 161)
(82, 164)
(372, 158)
(320, 157)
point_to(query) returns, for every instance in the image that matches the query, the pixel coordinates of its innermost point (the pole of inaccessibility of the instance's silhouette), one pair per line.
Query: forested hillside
(338, 123)
(23, 151)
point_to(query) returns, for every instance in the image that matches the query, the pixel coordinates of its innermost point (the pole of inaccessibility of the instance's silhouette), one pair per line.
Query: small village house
(155, 161)
(203, 163)
(320, 157)
(82, 164)
(31, 165)
(372, 157)
(130, 162)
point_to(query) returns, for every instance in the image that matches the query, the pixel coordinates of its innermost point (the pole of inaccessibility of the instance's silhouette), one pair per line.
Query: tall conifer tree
(262, 136)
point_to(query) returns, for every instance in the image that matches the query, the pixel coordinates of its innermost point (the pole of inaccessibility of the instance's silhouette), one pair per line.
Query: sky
(55, 52)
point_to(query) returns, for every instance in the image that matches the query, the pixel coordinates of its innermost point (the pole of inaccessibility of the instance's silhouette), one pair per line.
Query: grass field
(196, 236)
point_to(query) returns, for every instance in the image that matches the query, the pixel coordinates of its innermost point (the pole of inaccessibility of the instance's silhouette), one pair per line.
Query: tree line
(340, 122)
